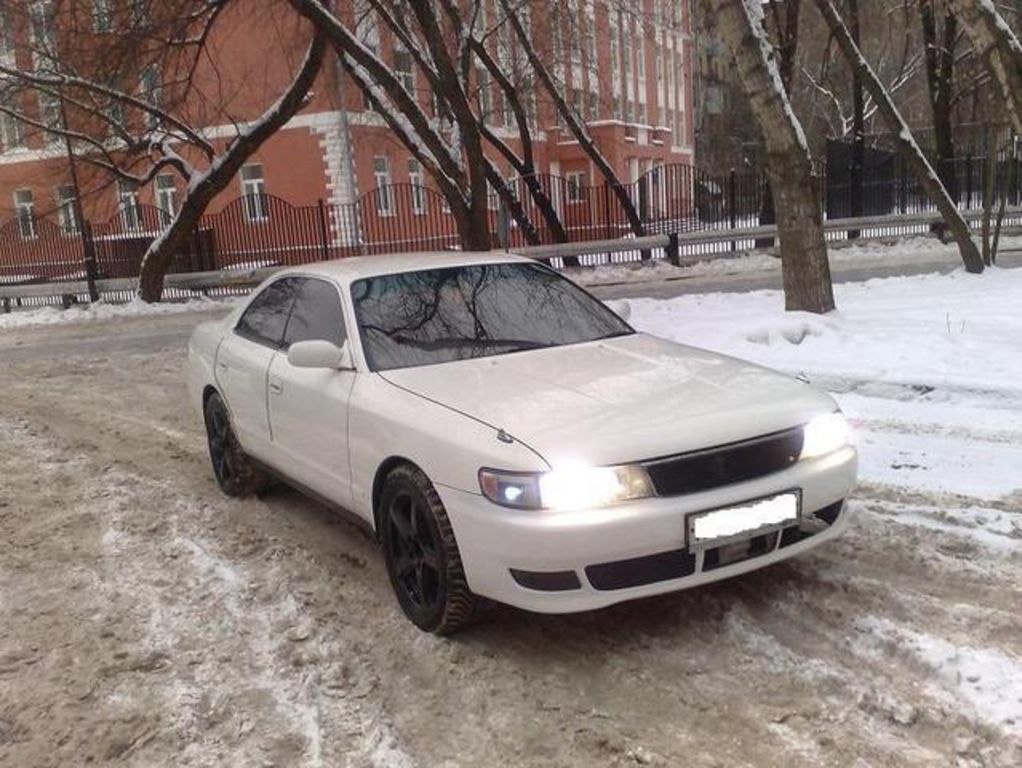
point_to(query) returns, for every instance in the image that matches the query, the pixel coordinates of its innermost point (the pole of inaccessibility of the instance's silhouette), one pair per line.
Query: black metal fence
(265, 230)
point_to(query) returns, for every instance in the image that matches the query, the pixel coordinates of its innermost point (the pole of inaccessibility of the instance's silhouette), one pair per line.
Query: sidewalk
(914, 256)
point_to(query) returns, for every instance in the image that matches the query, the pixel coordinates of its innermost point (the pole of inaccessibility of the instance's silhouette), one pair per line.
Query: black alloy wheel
(234, 471)
(422, 555)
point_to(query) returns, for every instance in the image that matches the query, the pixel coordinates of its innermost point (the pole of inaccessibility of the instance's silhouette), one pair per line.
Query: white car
(507, 435)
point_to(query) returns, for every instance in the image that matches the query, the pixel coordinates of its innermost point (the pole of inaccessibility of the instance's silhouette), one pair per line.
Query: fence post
(732, 204)
(673, 250)
(606, 209)
(903, 189)
(89, 259)
(324, 230)
(968, 182)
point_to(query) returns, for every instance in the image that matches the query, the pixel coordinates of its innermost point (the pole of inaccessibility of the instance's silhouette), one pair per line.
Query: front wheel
(422, 555)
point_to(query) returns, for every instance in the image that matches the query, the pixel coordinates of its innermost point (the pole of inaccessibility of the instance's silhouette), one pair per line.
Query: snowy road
(146, 620)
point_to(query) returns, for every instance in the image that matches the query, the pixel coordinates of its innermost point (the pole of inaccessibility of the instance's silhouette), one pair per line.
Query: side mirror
(320, 354)
(621, 308)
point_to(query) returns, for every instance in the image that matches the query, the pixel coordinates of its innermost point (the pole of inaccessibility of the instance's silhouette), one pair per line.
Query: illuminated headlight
(569, 487)
(825, 434)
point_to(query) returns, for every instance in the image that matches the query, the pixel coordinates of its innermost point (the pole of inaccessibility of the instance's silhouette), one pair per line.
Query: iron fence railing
(265, 230)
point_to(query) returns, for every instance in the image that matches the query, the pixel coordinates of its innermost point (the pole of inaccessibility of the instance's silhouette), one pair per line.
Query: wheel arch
(387, 466)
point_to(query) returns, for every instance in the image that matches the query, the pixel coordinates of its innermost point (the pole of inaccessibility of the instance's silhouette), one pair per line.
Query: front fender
(386, 421)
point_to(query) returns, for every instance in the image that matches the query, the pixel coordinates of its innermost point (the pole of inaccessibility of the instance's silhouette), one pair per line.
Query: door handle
(276, 387)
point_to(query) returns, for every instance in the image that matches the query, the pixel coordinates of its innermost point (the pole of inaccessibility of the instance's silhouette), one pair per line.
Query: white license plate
(719, 526)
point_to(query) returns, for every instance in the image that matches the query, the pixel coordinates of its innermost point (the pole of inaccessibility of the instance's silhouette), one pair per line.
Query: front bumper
(566, 561)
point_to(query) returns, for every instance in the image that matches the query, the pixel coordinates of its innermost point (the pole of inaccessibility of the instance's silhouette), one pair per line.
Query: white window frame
(150, 89)
(67, 215)
(253, 193)
(11, 135)
(405, 76)
(417, 180)
(384, 186)
(102, 17)
(24, 206)
(166, 197)
(128, 207)
(576, 182)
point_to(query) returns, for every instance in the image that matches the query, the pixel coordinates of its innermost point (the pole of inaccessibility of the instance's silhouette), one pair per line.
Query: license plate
(722, 526)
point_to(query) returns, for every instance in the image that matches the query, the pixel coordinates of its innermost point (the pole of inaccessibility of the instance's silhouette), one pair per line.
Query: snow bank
(101, 310)
(928, 367)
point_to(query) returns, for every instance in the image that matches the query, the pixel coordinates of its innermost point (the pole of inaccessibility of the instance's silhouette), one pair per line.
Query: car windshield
(440, 315)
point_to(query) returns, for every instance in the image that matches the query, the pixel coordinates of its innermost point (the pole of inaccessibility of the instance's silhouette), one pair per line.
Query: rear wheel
(422, 555)
(235, 472)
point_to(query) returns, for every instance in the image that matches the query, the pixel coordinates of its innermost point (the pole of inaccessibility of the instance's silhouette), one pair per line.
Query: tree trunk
(806, 271)
(906, 144)
(858, 127)
(939, 50)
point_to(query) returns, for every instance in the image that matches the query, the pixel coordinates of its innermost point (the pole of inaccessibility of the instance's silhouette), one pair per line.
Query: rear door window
(266, 317)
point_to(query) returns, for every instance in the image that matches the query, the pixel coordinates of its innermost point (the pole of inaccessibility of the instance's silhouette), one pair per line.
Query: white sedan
(506, 435)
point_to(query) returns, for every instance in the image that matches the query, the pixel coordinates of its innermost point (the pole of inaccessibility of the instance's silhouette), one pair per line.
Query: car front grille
(725, 464)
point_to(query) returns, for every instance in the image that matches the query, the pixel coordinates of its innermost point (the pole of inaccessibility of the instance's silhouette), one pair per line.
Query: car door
(243, 364)
(308, 407)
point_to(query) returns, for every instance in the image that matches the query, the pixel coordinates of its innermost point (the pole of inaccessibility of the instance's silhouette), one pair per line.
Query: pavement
(744, 280)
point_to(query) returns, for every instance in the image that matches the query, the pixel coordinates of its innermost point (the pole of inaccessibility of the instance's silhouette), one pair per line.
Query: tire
(235, 472)
(422, 556)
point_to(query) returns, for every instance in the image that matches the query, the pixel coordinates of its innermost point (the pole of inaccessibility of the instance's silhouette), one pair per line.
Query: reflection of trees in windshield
(434, 316)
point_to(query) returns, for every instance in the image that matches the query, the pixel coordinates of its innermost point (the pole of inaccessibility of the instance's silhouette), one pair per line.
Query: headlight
(569, 487)
(825, 434)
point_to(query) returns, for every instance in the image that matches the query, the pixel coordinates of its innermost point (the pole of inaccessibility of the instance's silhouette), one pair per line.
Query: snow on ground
(101, 310)
(928, 368)
(989, 679)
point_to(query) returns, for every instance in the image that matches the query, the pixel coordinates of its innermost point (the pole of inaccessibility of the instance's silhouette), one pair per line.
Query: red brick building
(626, 65)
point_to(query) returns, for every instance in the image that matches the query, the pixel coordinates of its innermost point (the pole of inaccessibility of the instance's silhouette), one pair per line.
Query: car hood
(617, 400)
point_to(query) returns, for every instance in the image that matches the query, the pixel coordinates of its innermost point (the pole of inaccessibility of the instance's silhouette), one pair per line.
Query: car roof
(358, 267)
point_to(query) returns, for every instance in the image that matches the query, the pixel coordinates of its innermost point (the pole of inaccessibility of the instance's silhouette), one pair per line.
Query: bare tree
(132, 133)
(940, 38)
(571, 120)
(1000, 50)
(907, 146)
(806, 271)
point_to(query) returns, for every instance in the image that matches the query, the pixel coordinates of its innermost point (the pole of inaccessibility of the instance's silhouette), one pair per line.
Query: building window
(6, 42)
(151, 92)
(640, 52)
(594, 106)
(403, 68)
(139, 11)
(253, 193)
(485, 103)
(67, 217)
(49, 116)
(41, 29)
(102, 18)
(11, 136)
(24, 205)
(576, 187)
(127, 203)
(418, 188)
(384, 191)
(166, 194)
